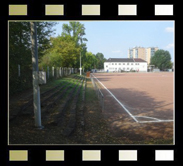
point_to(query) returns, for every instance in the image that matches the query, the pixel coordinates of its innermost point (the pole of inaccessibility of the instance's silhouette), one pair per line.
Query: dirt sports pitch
(139, 105)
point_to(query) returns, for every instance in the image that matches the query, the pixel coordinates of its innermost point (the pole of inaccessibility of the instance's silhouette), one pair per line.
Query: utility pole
(80, 64)
(35, 76)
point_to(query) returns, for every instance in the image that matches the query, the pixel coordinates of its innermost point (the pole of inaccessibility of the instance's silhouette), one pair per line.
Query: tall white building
(126, 64)
(143, 53)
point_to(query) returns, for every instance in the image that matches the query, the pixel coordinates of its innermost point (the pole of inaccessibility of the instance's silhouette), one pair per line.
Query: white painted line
(117, 100)
(148, 117)
(134, 117)
(155, 121)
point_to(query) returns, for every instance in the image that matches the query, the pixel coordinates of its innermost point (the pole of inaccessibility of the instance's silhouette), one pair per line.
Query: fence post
(57, 72)
(18, 70)
(52, 71)
(102, 103)
(48, 71)
(60, 71)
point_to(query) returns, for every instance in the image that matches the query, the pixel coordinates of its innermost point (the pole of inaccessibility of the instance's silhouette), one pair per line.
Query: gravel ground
(92, 125)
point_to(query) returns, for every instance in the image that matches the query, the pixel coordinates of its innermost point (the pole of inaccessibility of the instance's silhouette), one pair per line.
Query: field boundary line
(117, 100)
(155, 119)
(133, 116)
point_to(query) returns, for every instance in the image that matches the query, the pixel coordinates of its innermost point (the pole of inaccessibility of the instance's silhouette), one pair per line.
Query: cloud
(169, 46)
(169, 29)
(117, 51)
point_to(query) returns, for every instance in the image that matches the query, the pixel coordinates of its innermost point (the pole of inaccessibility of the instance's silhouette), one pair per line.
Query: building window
(131, 53)
(136, 53)
(106, 66)
(135, 63)
(127, 68)
(123, 63)
(112, 63)
(152, 52)
(119, 63)
(115, 63)
(127, 63)
(131, 63)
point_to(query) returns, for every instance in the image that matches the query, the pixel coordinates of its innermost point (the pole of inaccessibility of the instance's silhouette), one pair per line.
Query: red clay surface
(143, 94)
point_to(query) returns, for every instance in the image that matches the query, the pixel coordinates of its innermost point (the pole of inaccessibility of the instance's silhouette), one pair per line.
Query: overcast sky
(114, 38)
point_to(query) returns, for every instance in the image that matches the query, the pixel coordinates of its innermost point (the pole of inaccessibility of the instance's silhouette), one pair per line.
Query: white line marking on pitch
(148, 117)
(117, 100)
(156, 120)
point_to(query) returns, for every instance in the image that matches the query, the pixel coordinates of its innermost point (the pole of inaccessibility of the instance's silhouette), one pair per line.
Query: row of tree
(20, 52)
(61, 51)
(67, 48)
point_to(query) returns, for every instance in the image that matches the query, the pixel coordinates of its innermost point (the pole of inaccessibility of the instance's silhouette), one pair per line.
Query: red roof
(139, 60)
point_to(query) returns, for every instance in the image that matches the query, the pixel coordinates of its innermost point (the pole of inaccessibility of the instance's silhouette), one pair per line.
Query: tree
(20, 45)
(100, 60)
(20, 51)
(161, 59)
(44, 32)
(63, 53)
(90, 61)
(76, 30)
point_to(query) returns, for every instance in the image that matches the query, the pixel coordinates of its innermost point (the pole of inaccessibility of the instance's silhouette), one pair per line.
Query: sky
(114, 38)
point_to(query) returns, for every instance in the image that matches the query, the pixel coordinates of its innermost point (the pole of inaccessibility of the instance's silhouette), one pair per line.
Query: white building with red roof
(125, 64)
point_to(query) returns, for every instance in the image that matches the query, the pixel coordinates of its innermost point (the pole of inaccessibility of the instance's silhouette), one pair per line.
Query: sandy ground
(145, 96)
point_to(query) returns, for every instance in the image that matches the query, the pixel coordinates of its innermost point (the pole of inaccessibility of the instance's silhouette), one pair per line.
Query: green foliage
(63, 53)
(161, 59)
(65, 50)
(20, 52)
(76, 30)
(100, 61)
(44, 33)
(90, 61)
(60, 51)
